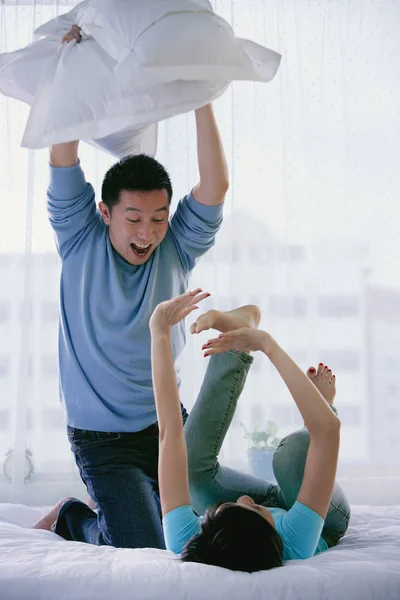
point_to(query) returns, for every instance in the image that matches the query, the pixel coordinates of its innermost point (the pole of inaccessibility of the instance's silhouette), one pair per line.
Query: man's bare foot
(324, 380)
(48, 520)
(245, 316)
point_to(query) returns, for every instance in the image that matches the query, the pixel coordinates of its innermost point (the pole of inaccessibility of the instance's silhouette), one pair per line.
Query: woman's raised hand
(171, 312)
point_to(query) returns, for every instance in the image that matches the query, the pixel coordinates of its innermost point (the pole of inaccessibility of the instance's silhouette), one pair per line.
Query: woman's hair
(235, 538)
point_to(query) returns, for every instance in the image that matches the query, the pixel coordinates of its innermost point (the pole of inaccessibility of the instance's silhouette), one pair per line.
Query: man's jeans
(120, 473)
(205, 430)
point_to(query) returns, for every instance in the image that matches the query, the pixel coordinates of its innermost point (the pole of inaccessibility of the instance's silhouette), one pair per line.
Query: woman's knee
(291, 452)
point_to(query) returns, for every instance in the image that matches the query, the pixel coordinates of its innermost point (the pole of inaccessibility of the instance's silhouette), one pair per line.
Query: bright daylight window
(310, 234)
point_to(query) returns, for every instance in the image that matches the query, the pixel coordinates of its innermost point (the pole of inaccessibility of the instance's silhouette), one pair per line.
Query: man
(118, 263)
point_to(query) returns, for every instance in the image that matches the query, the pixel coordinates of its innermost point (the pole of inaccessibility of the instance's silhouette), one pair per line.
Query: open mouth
(140, 251)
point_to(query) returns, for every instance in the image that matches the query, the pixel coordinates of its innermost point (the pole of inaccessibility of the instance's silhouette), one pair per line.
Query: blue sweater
(106, 304)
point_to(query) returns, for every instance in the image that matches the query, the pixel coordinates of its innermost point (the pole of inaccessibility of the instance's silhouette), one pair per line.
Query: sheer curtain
(310, 234)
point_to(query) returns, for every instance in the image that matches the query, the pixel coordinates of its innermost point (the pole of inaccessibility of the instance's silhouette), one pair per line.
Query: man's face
(137, 224)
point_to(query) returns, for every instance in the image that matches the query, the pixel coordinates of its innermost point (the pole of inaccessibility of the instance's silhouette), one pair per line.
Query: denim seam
(242, 355)
(240, 491)
(236, 380)
(345, 513)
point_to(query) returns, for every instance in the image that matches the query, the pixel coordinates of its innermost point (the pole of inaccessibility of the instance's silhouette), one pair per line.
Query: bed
(39, 565)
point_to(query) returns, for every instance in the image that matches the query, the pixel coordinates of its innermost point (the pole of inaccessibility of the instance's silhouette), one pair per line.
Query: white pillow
(21, 74)
(71, 103)
(154, 59)
(117, 24)
(78, 91)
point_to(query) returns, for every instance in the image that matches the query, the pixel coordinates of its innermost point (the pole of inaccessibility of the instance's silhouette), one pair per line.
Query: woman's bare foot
(245, 316)
(48, 520)
(324, 380)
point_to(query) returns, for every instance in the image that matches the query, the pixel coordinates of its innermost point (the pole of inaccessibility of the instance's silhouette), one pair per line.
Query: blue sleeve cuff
(308, 512)
(180, 525)
(176, 513)
(67, 183)
(206, 212)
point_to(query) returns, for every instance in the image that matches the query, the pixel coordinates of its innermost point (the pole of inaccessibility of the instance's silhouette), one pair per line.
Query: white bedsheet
(38, 565)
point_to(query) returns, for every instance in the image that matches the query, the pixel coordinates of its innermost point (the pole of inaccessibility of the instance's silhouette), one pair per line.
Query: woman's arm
(323, 425)
(172, 460)
(324, 429)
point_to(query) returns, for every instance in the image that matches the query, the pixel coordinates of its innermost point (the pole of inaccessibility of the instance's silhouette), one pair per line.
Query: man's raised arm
(70, 199)
(213, 169)
(64, 155)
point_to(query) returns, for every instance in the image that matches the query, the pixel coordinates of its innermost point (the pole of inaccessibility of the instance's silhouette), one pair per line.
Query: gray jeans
(205, 430)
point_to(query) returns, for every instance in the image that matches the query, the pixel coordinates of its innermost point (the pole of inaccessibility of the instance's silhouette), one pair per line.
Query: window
(4, 312)
(290, 253)
(224, 253)
(5, 417)
(392, 390)
(288, 306)
(237, 255)
(5, 261)
(350, 415)
(30, 365)
(258, 365)
(299, 355)
(258, 255)
(256, 413)
(49, 365)
(254, 299)
(286, 415)
(343, 360)
(339, 306)
(29, 420)
(393, 414)
(49, 311)
(4, 366)
(54, 419)
(209, 256)
(225, 303)
(50, 260)
(29, 308)
(392, 362)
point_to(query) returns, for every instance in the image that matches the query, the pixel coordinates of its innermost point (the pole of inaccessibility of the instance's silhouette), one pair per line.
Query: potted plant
(262, 445)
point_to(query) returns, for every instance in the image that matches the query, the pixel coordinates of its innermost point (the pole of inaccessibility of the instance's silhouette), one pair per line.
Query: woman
(252, 525)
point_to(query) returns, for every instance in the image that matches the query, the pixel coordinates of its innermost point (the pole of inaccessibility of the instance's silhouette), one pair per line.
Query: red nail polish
(312, 370)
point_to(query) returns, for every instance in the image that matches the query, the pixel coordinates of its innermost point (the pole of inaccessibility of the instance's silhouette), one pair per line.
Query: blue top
(106, 304)
(300, 530)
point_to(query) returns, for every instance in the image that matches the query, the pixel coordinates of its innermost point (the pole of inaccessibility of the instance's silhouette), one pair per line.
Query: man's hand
(73, 34)
(171, 312)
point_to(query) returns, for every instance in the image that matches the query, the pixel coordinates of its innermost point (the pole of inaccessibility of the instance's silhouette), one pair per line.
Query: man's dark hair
(235, 538)
(139, 173)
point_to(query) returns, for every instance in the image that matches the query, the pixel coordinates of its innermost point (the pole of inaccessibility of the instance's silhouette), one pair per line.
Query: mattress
(39, 565)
